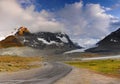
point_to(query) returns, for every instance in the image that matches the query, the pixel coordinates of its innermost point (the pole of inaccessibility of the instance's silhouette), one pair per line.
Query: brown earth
(10, 41)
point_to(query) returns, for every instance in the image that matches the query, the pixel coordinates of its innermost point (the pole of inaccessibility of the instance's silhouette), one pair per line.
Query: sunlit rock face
(10, 41)
(22, 31)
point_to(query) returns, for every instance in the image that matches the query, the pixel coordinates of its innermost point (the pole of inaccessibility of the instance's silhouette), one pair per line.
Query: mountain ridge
(40, 40)
(111, 43)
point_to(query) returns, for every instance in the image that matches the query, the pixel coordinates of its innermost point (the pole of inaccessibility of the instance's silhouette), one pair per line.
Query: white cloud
(80, 22)
(12, 15)
(85, 21)
(115, 6)
(88, 21)
(108, 9)
(86, 42)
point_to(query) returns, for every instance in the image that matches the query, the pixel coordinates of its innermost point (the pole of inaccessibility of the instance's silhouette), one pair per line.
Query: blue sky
(55, 5)
(113, 4)
(51, 5)
(85, 21)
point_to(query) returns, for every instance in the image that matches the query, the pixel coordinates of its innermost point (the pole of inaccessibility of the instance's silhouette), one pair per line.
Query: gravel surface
(84, 76)
(50, 73)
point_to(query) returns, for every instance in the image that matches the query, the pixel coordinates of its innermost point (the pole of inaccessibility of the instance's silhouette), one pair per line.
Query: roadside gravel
(84, 76)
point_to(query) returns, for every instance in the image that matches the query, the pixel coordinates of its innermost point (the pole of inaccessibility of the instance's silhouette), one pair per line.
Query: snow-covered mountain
(44, 40)
(47, 42)
(110, 43)
(57, 42)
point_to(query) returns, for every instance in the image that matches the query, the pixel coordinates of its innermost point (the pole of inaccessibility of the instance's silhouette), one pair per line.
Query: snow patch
(113, 40)
(1, 38)
(63, 39)
(74, 51)
(46, 42)
(25, 40)
(80, 50)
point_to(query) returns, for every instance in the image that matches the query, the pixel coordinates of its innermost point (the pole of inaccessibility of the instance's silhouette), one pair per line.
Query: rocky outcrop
(22, 31)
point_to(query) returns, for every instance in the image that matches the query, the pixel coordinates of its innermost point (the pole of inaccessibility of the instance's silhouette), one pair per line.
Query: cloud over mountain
(88, 21)
(80, 21)
(13, 15)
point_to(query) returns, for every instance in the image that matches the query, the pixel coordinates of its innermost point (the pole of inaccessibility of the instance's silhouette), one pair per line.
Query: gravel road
(47, 75)
(84, 76)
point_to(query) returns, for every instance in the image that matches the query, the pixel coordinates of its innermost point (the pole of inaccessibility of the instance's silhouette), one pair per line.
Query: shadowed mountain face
(45, 40)
(41, 40)
(110, 43)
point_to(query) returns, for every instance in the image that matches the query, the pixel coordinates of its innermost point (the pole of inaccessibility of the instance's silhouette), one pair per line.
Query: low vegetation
(108, 67)
(15, 63)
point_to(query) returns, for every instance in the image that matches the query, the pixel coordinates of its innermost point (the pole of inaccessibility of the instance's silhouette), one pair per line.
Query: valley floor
(84, 76)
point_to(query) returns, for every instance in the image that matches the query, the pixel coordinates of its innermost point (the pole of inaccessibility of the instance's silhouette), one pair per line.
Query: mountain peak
(108, 44)
(22, 31)
(117, 31)
(56, 42)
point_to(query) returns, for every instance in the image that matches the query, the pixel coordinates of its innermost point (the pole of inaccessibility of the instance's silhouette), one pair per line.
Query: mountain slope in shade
(45, 40)
(110, 43)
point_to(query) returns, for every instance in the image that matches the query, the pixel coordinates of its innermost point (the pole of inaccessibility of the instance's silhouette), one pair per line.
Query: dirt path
(83, 76)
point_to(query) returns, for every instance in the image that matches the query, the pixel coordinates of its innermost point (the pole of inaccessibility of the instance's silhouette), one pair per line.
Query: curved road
(48, 75)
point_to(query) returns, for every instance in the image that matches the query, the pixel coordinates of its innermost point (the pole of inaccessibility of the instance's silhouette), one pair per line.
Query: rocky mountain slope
(110, 43)
(57, 42)
(10, 41)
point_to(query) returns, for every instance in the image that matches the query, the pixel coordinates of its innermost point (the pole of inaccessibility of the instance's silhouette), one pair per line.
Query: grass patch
(16, 63)
(108, 67)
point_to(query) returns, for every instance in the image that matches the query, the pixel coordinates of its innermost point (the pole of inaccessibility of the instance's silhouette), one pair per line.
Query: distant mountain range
(110, 43)
(41, 40)
(58, 42)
